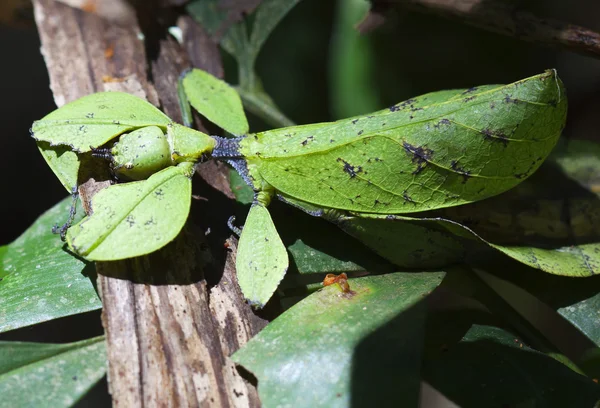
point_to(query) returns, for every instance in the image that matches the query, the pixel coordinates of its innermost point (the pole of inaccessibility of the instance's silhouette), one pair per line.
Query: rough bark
(169, 335)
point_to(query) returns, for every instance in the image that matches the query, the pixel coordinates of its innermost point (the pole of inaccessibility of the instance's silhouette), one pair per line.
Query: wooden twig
(169, 336)
(501, 17)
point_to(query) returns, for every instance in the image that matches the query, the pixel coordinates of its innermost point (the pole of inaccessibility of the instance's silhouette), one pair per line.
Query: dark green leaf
(52, 375)
(40, 280)
(267, 16)
(474, 362)
(333, 349)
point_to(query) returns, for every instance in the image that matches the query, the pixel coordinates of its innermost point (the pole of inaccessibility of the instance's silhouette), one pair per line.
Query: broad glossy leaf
(216, 100)
(262, 259)
(54, 375)
(473, 361)
(95, 119)
(40, 281)
(136, 218)
(438, 150)
(333, 349)
(576, 300)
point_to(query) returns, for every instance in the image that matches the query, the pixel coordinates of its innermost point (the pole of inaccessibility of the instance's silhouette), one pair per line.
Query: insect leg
(62, 230)
(236, 230)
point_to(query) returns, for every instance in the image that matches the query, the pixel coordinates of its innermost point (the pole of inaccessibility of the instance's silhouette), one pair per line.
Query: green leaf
(438, 150)
(474, 362)
(54, 375)
(576, 300)
(262, 259)
(216, 100)
(136, 218)
(333, 349)
(95, 119)
(40, 281)
(351, 63)
(234, 38)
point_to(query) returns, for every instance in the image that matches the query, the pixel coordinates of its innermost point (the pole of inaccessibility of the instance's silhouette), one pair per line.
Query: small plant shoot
(437, 150)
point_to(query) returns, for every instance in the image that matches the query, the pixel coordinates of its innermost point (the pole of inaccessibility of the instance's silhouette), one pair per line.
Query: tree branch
(500, 18)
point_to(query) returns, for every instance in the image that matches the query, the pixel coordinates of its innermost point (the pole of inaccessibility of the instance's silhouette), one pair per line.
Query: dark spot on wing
(419, 155)
(495, 136)
(465, 173)
(407, 197)
(130, 220)
(307, 140)
(350, 169)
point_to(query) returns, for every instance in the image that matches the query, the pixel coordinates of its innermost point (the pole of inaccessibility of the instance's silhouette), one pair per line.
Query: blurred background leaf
(56, 375)
(41, 281)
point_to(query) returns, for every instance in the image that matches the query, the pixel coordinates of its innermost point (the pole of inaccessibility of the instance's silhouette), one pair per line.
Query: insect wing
(262, 259)
(216, 100)
(136, 218)
(437, 150)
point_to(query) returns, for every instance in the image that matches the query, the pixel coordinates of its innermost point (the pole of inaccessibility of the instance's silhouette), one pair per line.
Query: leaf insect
(437, 150)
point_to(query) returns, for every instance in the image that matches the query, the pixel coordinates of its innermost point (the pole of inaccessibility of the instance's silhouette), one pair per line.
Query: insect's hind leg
(62, 230)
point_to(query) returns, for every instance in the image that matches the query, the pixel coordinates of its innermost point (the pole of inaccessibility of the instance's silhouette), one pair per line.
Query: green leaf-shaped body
(134, 219)
(437, 150)
(141, 153)
(95, 119)
(216, 100)
(262, 259)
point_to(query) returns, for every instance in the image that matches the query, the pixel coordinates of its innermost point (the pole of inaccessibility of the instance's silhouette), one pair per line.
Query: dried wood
(169, 336)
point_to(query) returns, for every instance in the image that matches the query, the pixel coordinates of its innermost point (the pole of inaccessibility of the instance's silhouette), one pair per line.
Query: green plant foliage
(336, 348)
(53, 375)
(40, 281)
(351, 63)
(474, 361)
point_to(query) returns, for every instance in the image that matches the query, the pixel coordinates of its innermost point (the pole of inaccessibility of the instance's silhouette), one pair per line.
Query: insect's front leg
(262, 259)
